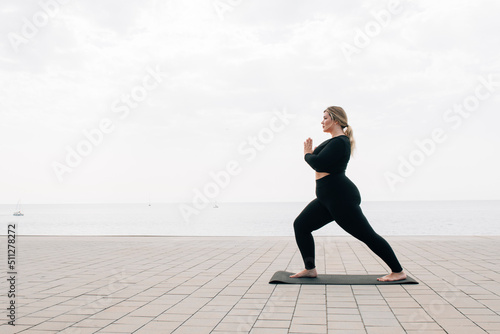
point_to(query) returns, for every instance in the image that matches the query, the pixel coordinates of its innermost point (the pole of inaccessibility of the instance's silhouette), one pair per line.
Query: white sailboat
(18, 209)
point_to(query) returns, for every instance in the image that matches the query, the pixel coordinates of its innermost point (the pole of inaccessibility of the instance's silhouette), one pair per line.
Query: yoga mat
(282, 277)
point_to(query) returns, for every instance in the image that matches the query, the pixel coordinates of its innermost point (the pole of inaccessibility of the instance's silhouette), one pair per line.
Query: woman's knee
(300, 226)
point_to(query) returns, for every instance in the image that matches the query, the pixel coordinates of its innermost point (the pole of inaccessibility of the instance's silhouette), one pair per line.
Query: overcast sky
(126, 101)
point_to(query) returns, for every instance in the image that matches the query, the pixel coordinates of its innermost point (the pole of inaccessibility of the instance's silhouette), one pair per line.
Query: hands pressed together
(308, 146)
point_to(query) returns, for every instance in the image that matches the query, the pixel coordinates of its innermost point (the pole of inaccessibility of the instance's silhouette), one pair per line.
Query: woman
(337, 198)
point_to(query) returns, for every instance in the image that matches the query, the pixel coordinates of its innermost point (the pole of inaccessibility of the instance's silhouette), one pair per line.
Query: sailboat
(18, 209)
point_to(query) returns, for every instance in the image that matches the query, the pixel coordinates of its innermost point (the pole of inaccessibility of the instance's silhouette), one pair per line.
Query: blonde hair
(339, 115)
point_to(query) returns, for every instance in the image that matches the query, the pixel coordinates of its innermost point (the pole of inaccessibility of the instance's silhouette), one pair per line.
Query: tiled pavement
(220, 285)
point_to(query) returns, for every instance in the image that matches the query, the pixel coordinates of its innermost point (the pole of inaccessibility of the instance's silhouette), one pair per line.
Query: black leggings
(338, 199)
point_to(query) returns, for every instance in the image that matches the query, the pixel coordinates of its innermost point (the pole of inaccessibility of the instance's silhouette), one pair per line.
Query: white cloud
(222, 81)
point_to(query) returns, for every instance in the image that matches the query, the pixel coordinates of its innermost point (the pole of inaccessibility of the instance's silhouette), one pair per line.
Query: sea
(246, 219)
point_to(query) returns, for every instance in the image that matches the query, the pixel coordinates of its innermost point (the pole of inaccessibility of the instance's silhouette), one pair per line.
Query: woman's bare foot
(393, 277)
(312, 273)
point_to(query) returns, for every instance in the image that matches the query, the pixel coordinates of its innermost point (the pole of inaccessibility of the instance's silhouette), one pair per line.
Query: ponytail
(349, 133)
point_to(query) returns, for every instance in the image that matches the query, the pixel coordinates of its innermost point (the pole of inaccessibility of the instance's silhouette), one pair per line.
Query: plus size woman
(337, 198)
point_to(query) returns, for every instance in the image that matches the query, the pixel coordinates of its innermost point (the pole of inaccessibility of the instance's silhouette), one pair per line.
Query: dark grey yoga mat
(282, 277)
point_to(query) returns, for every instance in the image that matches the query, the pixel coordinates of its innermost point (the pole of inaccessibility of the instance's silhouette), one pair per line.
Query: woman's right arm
(327, 157)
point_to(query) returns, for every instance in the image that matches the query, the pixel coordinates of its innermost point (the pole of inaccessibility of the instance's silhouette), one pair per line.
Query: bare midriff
(319, 175)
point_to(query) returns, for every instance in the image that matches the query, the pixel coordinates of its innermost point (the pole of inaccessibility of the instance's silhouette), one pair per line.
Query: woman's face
(327, 122)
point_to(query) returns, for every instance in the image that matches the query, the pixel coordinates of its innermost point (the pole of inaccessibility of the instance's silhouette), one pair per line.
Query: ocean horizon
(479, 217)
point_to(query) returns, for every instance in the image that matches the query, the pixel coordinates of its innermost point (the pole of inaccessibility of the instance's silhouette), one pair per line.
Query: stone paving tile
(348, 325)
(190, 285)
(158, 327)
(50, 326)
(308, 329)
(268, 331)
(385, 330)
